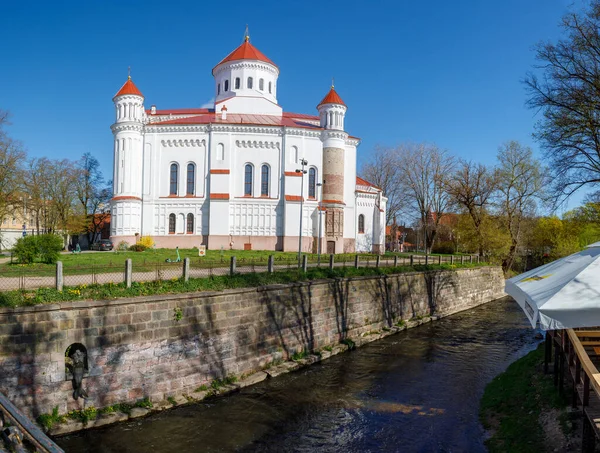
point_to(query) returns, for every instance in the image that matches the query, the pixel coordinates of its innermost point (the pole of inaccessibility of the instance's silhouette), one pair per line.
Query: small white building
(231, 176)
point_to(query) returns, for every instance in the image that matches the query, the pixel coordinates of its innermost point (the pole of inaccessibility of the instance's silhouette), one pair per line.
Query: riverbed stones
(253, 379)
(137, 412)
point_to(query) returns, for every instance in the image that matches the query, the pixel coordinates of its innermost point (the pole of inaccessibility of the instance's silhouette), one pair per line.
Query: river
(417, 391)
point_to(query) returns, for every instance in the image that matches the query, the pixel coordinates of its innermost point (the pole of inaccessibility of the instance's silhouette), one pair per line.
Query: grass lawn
(521, 406)
(102, 262)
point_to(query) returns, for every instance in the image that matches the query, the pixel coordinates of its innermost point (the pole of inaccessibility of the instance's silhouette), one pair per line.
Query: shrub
(122, 246)
(46, 247)
(137, 247)
(146, 241)
(50, 246)
(445, 247)
(26, 249)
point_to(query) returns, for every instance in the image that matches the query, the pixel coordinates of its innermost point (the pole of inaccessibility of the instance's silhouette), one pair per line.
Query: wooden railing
(21, 428)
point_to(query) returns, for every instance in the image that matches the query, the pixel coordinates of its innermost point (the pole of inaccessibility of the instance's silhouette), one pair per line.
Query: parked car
(102, 245)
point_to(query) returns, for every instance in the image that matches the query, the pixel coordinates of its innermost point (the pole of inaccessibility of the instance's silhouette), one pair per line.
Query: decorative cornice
(245, 64)
(125, 197)
(353, 141)
(177, 128)
(328, 133)
(128, 126)
(183, 143)
(256, 144)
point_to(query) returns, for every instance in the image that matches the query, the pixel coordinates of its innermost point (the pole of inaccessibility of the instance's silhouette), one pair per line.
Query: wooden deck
(578, 352)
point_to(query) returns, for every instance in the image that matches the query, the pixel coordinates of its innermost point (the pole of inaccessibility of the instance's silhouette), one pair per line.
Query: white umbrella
(562, 294)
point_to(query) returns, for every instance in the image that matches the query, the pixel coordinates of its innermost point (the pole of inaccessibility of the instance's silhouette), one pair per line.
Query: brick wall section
(136, 347)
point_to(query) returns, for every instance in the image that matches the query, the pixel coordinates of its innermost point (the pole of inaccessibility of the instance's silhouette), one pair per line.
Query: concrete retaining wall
(169, 345)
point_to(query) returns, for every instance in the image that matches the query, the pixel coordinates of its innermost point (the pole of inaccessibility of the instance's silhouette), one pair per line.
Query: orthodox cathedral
(244, 174)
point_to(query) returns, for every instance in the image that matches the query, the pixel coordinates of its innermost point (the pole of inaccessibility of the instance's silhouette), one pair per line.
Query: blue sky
(442, 72)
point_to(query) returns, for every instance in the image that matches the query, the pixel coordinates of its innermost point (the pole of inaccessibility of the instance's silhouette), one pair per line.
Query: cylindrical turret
(128, 152)
(332, 111)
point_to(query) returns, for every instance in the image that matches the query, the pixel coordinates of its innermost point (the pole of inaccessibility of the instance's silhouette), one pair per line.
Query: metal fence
(22, 278)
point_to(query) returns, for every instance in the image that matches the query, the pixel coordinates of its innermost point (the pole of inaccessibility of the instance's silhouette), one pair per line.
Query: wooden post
(440, 259)
(462, 259)
(412, 260)
(356, 261)
(128, 273)
(270, 264)
(426, 260)
(451, 259)
(186, 269)
(304, 263)
(331, 261)
(59, 276)
(232, 265)
(395, 260)
(377, 260)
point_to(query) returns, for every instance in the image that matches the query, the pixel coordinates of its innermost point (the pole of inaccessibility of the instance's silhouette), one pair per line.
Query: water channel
(417, 391)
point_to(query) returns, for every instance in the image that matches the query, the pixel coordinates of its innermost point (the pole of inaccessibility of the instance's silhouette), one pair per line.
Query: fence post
(462, 259)
(356, 261)
(59, 276)
(377, 260)
(426, 259)
(440, 259)
(470, 258)
(477, 259)
(270, 264)
(412, 260)
(451, 259)
(395, 260)
(331, 260)
(186, 269)
(128, 273)
(304, 263)
(232, 265)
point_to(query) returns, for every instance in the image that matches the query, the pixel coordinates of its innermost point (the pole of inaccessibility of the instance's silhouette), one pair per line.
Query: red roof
(246, 52)
(332, 98)
(235, 118)
(364, 182)
(129, 88)
(179, 111)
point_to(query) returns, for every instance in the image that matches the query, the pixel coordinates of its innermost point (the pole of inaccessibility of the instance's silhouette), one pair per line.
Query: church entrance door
(331, 247)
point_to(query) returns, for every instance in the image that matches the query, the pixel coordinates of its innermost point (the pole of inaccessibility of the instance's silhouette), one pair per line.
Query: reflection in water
(415, 391)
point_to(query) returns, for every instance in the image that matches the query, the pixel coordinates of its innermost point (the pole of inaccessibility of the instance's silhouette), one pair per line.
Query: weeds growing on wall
(216, 283)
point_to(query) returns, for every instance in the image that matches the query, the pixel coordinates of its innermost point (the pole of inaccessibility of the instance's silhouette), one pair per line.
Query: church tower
(126, 204)
(332, 111)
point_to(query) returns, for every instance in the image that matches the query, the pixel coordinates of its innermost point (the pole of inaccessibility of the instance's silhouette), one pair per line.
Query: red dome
(246, 52)
(129, 88)
(332, 98)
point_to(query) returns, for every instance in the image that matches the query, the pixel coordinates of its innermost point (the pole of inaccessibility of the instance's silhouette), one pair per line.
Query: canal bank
(165, 347)
(418, 390)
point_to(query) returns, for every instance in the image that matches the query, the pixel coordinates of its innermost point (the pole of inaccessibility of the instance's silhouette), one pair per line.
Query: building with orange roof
(243, 174)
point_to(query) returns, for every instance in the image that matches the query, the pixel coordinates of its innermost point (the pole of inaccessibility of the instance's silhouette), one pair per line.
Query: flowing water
(417, 391)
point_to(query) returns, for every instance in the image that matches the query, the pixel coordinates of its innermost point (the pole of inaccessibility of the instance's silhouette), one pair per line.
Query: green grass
(512, 404)
(216, 283)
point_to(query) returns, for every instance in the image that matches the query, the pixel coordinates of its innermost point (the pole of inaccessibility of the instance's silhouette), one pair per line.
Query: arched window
(312, 183)
(190, 223)
(361, 223)
(249, 83)
(220, 151)
(218, 88)
(261, 84)
(237, 83)
(226, 85)
(264, 181)
(269, 87)
(173, 180)
(191, 179)
(248, 180)
(171, 223)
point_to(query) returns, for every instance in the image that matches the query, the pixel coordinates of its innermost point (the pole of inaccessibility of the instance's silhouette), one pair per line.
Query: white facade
(226, 176)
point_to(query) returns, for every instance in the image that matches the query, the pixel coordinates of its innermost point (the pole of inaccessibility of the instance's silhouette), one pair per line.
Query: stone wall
(139, 348)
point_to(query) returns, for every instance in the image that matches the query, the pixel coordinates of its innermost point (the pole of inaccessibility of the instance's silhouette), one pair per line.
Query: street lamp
(320, 185)
(302, 171)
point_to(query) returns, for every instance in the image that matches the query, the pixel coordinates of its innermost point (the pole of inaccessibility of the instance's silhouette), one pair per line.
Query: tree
(11, 157)
(568, 95)
(472, 187)
(383, 170)
(424, 171)
(93, 195)
(520, 183)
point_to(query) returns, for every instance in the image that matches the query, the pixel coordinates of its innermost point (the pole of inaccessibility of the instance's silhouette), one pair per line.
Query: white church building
(244, 174)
